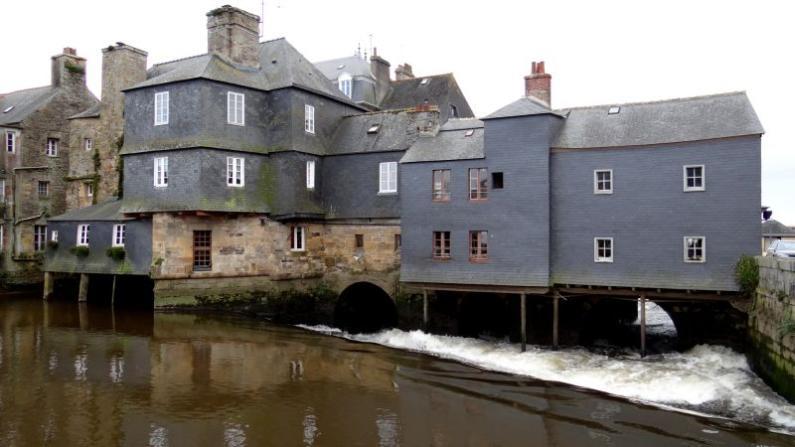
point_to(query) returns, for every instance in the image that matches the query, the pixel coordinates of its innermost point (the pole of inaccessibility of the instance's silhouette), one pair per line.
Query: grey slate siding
(350, 187)
(648, 214)
(138, 247)
(516, 217)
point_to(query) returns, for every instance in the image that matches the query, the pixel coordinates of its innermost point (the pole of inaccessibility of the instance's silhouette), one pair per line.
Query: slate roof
(281, 65)
(24, 103)
(669, 121)
(524, 106)
(109, 210)
(397, 130)
(353, 65)
(91, 112)
(774, 228)
(413, 92)
(451, 143)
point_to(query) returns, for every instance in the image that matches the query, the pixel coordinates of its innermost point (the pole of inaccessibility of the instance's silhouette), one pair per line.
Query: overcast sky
(598, 52)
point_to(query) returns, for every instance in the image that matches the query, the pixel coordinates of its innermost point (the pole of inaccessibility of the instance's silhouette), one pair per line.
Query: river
(74, 375)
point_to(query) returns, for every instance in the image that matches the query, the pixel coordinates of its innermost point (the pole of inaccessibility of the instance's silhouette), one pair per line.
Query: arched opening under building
(364, 307)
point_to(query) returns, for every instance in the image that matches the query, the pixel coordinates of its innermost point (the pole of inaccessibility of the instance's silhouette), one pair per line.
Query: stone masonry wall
(82, 170)
(772, 325)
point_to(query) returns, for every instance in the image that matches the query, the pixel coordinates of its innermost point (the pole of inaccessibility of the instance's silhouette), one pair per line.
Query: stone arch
(365, 307)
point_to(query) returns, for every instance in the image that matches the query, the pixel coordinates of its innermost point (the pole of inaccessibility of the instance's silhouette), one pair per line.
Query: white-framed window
(52, 147)
(54, 236)
(694, 178)
(39, 237)
(161, 108)
(603, 249)
(235, 171)
(236, 108)
(387, 177)
(603, 181)
(297, 238)
(11, 141)
(309, 118)
(89, 189)
(345, 82)
(2, 237)
(88, 144)
(119, 234)
(82, 234)
(310, 174)
(161, 171)
(2, 191)
(695, 249)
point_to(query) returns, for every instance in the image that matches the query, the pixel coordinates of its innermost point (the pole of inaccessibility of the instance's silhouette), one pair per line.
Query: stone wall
(772, 325)
(82, 162)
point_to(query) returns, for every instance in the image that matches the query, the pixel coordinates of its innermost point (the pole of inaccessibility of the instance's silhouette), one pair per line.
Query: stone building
(36, 147)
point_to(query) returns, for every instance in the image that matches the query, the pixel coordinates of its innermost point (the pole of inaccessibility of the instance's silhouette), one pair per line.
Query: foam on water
(712, 380)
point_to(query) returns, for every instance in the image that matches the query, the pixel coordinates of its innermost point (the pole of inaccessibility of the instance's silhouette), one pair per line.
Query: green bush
(81, 251)
(746, 274)
(786, 328)
(116, 253)
(52, 244)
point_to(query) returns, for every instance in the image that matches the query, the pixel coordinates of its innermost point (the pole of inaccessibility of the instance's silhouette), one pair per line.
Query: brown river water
(87, 375)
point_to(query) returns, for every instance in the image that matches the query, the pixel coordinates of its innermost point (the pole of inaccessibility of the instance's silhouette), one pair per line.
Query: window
(441, 245)
(309, 118)
(2, 191)
(694, 178)
(478, 184)
(346, 85)
(11, 141)
(236, 108)
(603, 181)
(88, 144)
(44, 189)
(161, 108)
(39, 237)
(119, 234)
(478, 246)
(54, 236)
(614, 110)
(89, 189)
(496, 180)
(373, 128)
(52, 147)
(359, 240)
(695, 249)
(603, 249)
(202, 250)
(2, 235)
(161, 171)
(469, 132)
(235, 171)
(398, 242)
(82, 235)
(297, 238)
(453, 111)
(387, 177)
(310, 174)
(441, 185)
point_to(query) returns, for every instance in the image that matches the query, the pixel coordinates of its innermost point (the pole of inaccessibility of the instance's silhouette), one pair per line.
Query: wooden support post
(82, 295)
(555, 317)
(524, 321)
(113, 292)
(425, 308)
(643, 326)
(49, 285)
(82, 315)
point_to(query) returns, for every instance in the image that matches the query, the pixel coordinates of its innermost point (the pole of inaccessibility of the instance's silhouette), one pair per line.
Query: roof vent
(424, 81)
(8, 109)
(469, 132)
(340, 66)
(614, 110)
(374, 128)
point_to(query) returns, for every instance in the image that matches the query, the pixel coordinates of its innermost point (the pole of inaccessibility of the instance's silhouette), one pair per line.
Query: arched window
(345, 82)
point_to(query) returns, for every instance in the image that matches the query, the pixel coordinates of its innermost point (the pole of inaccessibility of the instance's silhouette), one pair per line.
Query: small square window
(88, 144)
(694, 178)
(44, 189)
(52, 147)
(496, 180)
(297, 238)
(441, 245)
(603, 181)
(695, 249)
(603, 249)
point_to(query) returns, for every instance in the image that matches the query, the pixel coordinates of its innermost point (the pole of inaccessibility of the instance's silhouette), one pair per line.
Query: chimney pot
(70, 51)
(538, 84)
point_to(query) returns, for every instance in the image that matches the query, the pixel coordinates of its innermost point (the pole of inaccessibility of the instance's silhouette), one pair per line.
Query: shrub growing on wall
(116, 253)
(746, 274)
(81, 251)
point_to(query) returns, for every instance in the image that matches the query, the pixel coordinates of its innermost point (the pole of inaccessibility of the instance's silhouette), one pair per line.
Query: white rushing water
(711, 380)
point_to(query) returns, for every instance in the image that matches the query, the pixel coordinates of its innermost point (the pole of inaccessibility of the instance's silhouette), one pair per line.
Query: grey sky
(598, 52)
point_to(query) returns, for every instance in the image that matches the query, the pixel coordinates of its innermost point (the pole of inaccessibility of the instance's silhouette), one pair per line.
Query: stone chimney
(122, 66)
(539, 84)
(380, 69)
(68, 70)
(403, 72)
(234, 35)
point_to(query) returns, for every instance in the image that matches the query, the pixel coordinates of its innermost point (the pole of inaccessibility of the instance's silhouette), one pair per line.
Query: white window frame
(161, 172)
(236, 108)
(83, 231)
(89, 189)
(2, 191)
(387, 177)
(119, 235)
(298, 238)
(600, 259)
(161, 108)
(11, 141)
(54, 236)
(345, 84)
(235, 172)
(51, 147)
(703, 250)
(39, 238)
(596, 189)
(88, 143)
(703, 186)
(310, 174)
(2, 237)
(309, 118)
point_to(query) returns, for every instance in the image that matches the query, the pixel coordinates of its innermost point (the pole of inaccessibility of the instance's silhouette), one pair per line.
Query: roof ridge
(419, 78)
(25, 90)
(180, 59)
(273, 40)
(657, 101)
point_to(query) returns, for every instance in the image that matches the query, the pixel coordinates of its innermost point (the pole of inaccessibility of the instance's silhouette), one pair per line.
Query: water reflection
(81, 375)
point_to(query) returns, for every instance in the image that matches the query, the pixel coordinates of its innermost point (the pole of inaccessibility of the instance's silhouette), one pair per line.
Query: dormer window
(345, 82)
(614, 110)
(8, 109)
(374, 128)
(424, 81)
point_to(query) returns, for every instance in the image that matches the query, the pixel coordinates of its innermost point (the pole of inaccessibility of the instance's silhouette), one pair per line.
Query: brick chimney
(380, 69)
(68, 70)
(403, 72)
(538, 84)
(234, 35)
